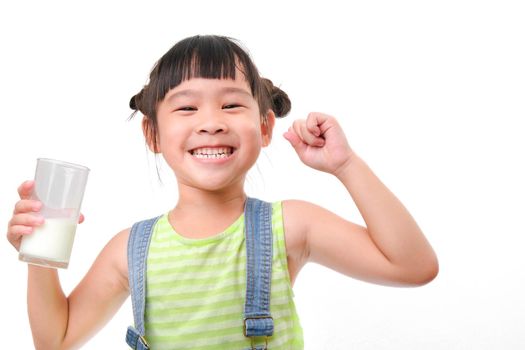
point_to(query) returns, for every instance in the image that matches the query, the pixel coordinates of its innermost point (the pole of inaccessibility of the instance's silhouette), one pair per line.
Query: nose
(212, 125)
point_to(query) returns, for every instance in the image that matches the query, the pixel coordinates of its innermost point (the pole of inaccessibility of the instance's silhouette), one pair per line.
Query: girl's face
(211, 131)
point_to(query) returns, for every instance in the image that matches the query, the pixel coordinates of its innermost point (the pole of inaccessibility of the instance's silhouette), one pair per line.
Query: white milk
(50, 244)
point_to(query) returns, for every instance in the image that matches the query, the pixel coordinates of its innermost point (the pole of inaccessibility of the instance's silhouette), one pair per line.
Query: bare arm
(47, 307)
(57, 321)
(391, 249)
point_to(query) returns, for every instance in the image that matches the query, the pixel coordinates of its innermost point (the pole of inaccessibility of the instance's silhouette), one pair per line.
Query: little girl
(208, 112)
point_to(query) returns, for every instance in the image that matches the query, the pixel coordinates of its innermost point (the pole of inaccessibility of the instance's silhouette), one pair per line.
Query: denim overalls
(259, 242)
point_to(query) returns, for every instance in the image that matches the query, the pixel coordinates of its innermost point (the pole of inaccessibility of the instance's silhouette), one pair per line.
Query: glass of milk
(60, 187)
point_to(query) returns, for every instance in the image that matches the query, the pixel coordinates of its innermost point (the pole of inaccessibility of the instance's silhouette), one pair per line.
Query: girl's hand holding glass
(25, 215)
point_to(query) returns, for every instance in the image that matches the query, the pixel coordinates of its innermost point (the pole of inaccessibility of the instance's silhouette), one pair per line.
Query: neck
(197, 200)
(201, 213)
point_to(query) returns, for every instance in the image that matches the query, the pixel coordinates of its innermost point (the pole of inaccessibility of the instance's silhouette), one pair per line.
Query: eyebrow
(222, 91)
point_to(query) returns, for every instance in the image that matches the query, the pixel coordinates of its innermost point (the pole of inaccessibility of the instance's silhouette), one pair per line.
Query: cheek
(255, 141)
(169, 130)
(255, 127)
(254, 132)
(171, 140)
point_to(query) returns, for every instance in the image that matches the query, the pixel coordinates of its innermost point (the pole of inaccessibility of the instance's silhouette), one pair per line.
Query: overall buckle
(265, 343)
(143, 340)
(252, 338)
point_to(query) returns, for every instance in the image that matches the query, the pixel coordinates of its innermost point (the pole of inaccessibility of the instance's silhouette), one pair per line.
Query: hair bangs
(206, 57)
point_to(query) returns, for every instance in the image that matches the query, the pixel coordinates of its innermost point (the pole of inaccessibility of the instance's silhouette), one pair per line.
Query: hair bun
(135, 102)
(279, 100)
(132, 103)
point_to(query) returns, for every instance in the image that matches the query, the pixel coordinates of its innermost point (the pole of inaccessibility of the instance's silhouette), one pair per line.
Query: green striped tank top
(195, 290)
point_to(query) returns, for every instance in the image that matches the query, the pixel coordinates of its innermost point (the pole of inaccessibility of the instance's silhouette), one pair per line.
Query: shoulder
(296, 207)
(299, 216)
(116, 250)
(118, 241)
(115, 253)
(121, 237)
(310, 227)
(114, 257)
(296, 215)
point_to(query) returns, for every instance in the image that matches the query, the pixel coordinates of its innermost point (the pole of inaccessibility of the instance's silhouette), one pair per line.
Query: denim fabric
(258, 232)
(138, 244)
(135, 340)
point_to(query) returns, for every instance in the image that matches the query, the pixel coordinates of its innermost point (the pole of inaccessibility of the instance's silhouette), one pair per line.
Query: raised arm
(391, 249)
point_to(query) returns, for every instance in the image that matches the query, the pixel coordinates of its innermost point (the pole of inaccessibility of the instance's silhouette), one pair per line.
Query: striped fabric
(196, 288)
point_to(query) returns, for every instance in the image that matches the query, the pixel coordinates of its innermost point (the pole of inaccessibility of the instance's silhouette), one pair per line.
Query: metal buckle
(252, 337)
(143, 340)
(265, 343)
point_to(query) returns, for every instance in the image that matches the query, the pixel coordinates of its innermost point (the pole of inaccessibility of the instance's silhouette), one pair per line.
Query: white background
(430, 94)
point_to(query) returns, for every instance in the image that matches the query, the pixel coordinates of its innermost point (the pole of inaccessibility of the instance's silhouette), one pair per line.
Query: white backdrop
(429, 93)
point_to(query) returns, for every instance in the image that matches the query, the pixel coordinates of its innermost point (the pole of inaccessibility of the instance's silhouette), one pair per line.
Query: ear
(267, 125)
(149, 135)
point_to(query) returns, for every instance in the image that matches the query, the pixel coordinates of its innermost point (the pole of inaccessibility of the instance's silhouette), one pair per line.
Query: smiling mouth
(212, 152)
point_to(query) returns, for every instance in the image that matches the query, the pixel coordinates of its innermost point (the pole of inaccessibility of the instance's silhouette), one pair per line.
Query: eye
(186, 109)
(231, 106)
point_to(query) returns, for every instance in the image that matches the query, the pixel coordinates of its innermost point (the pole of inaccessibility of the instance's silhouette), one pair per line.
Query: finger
(296, 127)
(25, 189)
(27, 205)
(16, 231)
(300, 129)
(81, 218)
(295, 141)
(15, 234)
(26, 220)
(309, 137)
(313, 122)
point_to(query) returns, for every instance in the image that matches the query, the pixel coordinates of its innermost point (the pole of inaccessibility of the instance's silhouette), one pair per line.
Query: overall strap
(258, 232)
(138, 245)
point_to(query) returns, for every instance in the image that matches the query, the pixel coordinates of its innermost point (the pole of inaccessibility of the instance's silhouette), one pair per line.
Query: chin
(215, 185)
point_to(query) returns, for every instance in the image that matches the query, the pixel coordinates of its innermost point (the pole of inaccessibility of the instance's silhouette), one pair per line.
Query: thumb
(25, 189)
(295, 141)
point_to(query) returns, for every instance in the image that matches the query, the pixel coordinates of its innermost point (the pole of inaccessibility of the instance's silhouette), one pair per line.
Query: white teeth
(212, 153)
